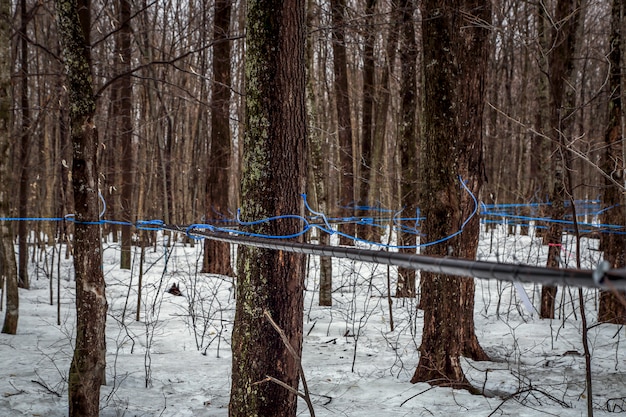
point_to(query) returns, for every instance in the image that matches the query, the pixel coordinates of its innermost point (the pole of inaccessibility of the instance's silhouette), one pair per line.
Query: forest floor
(176, 360)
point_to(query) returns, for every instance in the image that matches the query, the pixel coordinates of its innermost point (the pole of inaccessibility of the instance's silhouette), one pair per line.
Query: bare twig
(305, 396)
(568, 146)
(46, 387)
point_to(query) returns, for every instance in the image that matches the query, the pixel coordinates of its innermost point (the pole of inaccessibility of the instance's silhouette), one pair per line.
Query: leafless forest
(522, 98)
(152, 65)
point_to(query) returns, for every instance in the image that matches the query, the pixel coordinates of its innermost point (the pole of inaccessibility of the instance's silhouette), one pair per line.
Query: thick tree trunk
(8, 266)
(88, 363)
(613, 245)
(217, 254)
(408, 143)
(272, 181)
(344, 121)
(454, 53)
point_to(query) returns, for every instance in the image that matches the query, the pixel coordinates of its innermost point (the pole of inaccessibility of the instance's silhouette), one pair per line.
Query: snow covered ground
(175, 361)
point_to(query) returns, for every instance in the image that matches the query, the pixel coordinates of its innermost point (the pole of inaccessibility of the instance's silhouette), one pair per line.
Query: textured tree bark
(408, 141)
(8, 266)
(88, 362)
(456, 48)
(217, 254)
(273, 179)
(612, 309)
(560, 67)
(344, 121)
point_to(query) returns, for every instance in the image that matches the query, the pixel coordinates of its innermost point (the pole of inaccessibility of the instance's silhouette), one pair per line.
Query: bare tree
(366, 168)
(24, 148)
(612, 309)
(408, 142)
(344, 120)
(8, 266)
(88, 363)
(560, 68)
(217, 254)
(127, 149)
(272, 181)
(456, 50)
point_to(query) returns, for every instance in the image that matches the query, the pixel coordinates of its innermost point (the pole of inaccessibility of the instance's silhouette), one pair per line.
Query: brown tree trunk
(319, 157)
(123, 126)
(364, 231)
(560, 67)
(344, 121)
(612, 309)
(273, 179)
(8, 266)
(455, 51)
(217, 254)
(379, 185)
(408, 144)
(88, 363)
(23, 228)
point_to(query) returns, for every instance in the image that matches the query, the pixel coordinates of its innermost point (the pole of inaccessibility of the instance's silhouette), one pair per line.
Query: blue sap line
(487, 210)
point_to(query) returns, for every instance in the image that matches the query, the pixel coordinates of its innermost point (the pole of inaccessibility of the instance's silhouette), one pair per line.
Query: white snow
(176, 361)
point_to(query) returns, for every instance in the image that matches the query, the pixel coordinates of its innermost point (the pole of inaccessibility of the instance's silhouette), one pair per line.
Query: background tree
(408, 142)
(217, 254)
(456, 47)
(24, 147)
(560, 68)
(8, 266)
(88, 363)
(122, 124)
(614, 244)
(344, 118)
(273, 179)
(368, 83)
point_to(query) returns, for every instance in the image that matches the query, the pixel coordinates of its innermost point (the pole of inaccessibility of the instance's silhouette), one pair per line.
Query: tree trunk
(344, 121)
(364, 231)
(88, 362)
(8, 266)
(614, 244)
(126, 131)
(24, 281)
(217, 254)
(273, 179)
(319, 157)
(408, 144)
(455, 55)
(560, 67)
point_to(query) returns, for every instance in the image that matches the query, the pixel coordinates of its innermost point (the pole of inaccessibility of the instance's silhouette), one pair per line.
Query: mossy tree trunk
(88, 362)
(456, 50)
(273, 178)
(8, 265)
